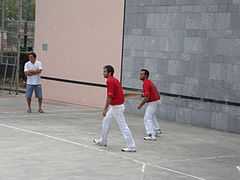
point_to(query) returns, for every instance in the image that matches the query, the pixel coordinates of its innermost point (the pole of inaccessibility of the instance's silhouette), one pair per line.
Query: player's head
(32, 56)
(108, 70)
(144, 74)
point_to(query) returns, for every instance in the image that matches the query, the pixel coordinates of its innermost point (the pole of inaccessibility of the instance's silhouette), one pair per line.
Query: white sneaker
(129, 149)
(150, 138)
(99, 143)
(158, 132)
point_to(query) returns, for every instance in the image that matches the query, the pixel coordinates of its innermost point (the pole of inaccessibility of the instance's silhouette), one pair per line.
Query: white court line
(49, 111)
(143, 164)
(174, 171)
(202, 158)
(238, 168)
(75, 110)
(37, 115)
(143, 171)
(143, 168)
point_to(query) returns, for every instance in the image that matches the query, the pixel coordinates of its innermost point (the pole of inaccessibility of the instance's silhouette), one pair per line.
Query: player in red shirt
(152, 99)
(114, 107)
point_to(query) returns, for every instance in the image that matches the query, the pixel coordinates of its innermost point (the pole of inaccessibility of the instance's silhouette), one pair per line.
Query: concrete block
(223, 21)
(195, 45)
(236, 74)
(208, 21)
(228, 47)
(155, 44)
(163, 86)
(183, 115)
(219, 121)
(215, 71)
(165, 21)
(234, 123)
(163, 2)
(193, 21)
(173, 67)
(175, 42)
(162, 67)
(191, 86)
(196, 33)
(173, 9)
(212, 8)
(201, 118)
(134, 42)
(224, 7)
(136, 31)
(187, 2)
(153, 65)
(155, 54)
(201, 70)
(167, 109)
(236, 1)
(176, 88)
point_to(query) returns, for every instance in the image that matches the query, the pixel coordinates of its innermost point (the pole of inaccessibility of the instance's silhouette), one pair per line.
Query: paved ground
(57, 145)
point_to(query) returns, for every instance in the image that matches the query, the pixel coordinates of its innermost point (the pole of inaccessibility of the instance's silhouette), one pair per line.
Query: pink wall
(82, 36)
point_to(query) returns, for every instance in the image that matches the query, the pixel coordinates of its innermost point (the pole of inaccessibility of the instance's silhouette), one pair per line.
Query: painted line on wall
(223, 102)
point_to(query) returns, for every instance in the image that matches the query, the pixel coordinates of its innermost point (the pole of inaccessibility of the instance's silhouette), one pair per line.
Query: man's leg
(156, 126)
(29, 92)
(118, 114)
(40, 105)
(38, 93)
(148, 122)
(155, 123)
(106, 124)
(29, 110)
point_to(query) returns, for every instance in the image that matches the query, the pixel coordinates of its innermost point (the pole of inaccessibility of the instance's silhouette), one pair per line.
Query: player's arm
(110, 93)
(28, 72)
(145, 100)
(32, 72)
(145, 95)
(132, 94)
(107, 103)
(35, 72)
(38, 70)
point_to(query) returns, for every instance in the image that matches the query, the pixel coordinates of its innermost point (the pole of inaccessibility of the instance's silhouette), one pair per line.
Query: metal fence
(16, 39)
(8, 68)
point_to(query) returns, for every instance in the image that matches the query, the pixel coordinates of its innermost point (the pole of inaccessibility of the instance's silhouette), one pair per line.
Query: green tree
(11, 9)
(28, 9)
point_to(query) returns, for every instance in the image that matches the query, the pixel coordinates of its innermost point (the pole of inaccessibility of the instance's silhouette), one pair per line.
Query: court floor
(57, 145)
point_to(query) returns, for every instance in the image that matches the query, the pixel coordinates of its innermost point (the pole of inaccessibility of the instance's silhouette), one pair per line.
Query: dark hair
(146, 72)
(33, 54)
(109, 69)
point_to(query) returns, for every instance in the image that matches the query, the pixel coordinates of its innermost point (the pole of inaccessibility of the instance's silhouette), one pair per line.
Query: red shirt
(150, 91)
(115, 91)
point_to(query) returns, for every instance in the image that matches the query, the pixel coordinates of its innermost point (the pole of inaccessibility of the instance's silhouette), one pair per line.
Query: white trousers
(150, 118)
(117, 112)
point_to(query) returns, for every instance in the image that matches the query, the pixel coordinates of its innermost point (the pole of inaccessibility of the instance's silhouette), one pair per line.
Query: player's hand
(104, 112)
(139, 107)
(29, 73)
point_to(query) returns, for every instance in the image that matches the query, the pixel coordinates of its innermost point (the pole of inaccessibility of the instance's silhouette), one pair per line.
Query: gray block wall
(192, 48)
